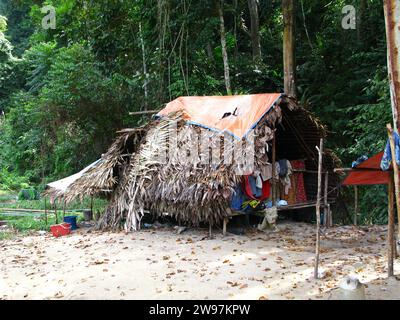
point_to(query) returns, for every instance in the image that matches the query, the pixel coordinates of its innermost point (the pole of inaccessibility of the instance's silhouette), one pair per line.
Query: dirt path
(159, 264)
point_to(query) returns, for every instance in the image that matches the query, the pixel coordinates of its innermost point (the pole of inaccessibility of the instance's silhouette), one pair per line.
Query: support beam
(225, 226)
(64, 206)
(318, 208)
(138, 113)
(274, 169)
(326, 206)
(55, 212)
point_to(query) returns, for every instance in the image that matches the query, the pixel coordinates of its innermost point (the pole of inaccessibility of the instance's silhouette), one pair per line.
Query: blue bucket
(72, 221)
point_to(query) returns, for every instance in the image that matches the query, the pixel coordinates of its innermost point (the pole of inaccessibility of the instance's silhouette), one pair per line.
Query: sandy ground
(160, 264)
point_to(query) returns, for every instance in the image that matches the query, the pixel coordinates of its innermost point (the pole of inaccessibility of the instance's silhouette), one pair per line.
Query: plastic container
(72, 221)
(59, 230)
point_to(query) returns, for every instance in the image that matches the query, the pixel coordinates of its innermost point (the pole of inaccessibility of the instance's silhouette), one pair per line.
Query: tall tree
(289, 58)
(255, 30)
(392, 18)
(220, 5)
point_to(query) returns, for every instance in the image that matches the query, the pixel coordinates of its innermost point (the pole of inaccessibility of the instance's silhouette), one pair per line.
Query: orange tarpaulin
(242, 113)
(368, 172)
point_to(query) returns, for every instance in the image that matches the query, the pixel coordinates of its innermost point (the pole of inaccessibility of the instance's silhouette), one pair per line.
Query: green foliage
(28, 194)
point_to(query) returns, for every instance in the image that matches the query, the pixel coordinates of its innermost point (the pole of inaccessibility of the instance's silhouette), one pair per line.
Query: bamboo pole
(391, 244)
(318, 208)
(355, 204)
(396, 174)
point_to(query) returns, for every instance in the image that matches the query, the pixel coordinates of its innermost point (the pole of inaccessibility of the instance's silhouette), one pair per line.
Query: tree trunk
(224, 49)
(392, 19)
(255, 30)
(289, 59)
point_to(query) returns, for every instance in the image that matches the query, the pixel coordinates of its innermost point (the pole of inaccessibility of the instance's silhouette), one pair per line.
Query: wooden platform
(261, 213)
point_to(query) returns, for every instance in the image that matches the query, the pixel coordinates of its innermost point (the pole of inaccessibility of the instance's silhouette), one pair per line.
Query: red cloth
(266, 189)
(373, 174)
(301, 195)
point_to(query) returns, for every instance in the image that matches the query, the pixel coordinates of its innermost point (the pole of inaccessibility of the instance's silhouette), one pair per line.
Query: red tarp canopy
(368, 172)
(208, 112)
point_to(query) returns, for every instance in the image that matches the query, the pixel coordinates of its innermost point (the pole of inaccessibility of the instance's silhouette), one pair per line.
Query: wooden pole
(55, 211)
(45, 210)
(391, 243)
(326, 207)
(318, 208)
(138, 113)
(91, 204)
(396, 174)
(225, 226)
(64, 204)
(274, 169)
(355, 204)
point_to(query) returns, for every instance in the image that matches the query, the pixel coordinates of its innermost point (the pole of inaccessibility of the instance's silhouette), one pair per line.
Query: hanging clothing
(238, 198)
(283, 168)
(359, 161)
(266, 172)
(301, 195)
(249, 183)
(255, 192)
(285, 180)
(387, 155)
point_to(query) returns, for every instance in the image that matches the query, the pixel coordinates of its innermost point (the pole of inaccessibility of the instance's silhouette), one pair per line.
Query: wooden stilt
(210, 230)
(274, 196)
(318, 208)
(224, 226)
(326, 209)
(391, 242)
(64, 205)
(330, 216)
(55, 211)
(355, 205)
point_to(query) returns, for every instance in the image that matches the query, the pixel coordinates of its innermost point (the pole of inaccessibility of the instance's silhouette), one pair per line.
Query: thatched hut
(191, 159)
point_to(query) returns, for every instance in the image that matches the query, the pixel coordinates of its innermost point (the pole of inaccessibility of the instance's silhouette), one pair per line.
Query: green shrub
(28, 194)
